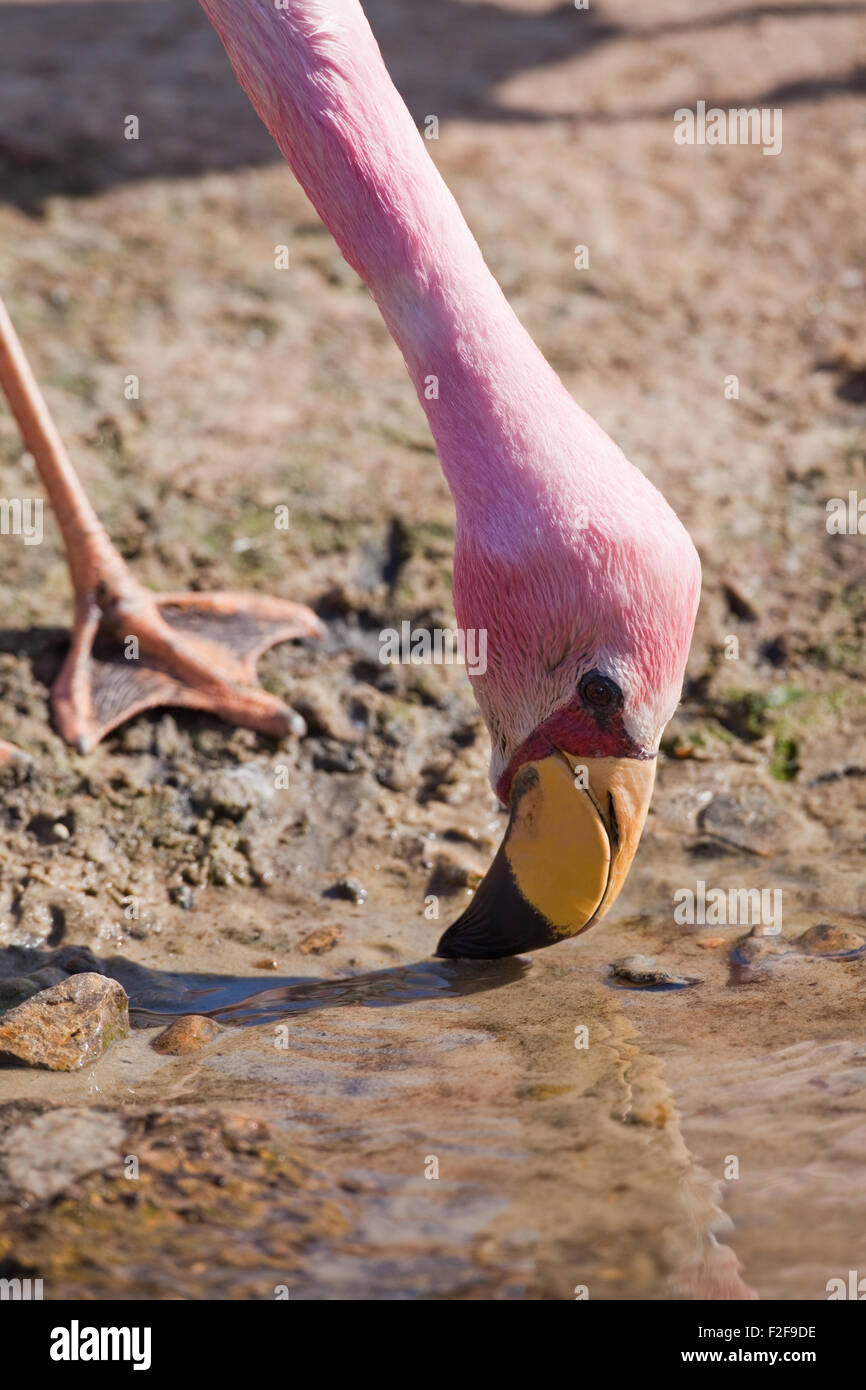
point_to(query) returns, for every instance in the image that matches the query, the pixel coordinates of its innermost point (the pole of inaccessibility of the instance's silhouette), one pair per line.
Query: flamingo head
(588, 607)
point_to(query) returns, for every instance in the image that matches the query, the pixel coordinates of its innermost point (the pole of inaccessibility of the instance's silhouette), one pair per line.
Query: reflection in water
(163, 997)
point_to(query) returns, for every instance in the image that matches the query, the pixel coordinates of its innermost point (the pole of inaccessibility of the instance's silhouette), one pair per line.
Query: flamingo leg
(133, 649)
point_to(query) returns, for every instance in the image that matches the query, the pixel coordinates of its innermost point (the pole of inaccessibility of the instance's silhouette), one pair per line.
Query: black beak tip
(498, 922)
(455, 945)
(452, 947)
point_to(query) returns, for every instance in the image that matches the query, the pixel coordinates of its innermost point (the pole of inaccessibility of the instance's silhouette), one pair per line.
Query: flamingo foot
(132, 650)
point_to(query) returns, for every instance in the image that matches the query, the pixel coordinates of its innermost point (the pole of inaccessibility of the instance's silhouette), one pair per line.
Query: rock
(350, 889)
(321, 940)
(63, 1027)
(751, 950)
(828, 939)
(266, 963)
(187, 1034)
(44, 1155)
(643, 971)
(709, 943)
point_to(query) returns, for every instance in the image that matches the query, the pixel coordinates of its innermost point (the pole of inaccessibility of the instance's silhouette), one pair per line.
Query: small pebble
(60, 831)
(321, 940)
(266, 963)
(187, 1034)
(827, 939)
(642, 970)
(709, 943)
(751, 950)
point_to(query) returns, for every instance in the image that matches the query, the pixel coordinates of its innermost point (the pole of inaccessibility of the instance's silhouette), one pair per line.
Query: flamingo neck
(315, 75)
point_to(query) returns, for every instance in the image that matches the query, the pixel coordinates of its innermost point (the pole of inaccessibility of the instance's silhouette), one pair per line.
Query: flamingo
(573, 565)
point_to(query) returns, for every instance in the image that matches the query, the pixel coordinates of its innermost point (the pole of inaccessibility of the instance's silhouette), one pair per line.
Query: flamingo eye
(600, 692)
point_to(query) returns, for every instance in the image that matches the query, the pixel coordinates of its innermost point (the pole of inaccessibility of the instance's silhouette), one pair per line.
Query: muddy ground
(293, 1151)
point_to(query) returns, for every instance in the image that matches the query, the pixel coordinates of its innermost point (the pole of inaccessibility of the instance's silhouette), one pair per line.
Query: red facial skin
(573, 729)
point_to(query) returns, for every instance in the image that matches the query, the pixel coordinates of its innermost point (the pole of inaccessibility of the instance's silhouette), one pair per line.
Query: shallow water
(240, 1001)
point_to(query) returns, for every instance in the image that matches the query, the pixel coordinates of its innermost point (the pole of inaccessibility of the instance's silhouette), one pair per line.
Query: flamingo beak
(573, 831)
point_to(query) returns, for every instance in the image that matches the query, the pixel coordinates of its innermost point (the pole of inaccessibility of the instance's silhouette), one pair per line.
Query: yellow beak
(573, 831)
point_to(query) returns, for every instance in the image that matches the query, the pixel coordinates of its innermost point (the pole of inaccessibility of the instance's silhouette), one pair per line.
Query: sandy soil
(606, 1168)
